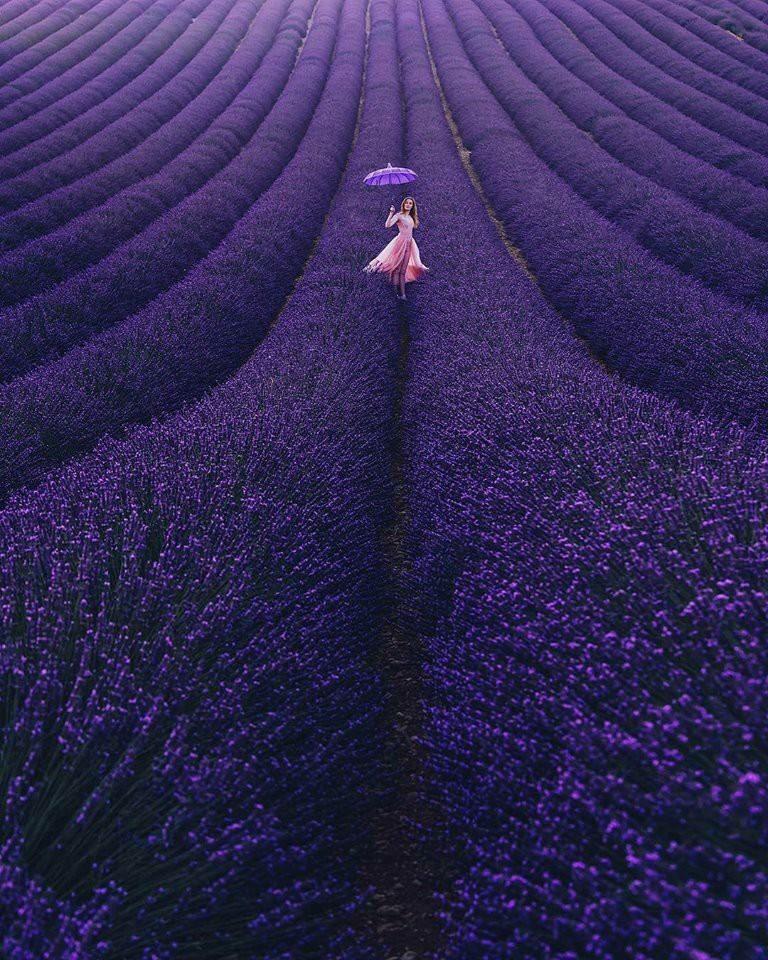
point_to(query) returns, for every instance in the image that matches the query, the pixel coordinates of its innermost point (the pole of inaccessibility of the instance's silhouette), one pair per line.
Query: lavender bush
(697, 53)
(12, 11)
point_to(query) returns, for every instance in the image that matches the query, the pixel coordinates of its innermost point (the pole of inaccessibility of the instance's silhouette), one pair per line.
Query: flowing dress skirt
(400, 258)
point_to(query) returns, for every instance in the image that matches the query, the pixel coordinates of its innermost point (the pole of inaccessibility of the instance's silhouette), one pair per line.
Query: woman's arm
(392, 218)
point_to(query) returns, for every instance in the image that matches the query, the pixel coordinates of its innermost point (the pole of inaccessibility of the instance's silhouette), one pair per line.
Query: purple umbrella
(389, 176)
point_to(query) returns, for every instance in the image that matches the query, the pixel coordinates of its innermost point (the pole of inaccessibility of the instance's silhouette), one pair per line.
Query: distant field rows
(337, 627)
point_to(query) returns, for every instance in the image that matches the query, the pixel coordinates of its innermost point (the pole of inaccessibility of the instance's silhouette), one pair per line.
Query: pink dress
(401, 255)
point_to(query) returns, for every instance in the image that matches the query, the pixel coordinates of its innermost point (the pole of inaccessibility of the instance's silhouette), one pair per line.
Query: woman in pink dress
(400, 259)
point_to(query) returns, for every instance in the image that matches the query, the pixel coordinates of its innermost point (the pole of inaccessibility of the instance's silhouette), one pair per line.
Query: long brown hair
(414, 211)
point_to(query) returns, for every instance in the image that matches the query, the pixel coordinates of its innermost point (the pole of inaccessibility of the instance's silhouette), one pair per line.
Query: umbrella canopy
(389, 175)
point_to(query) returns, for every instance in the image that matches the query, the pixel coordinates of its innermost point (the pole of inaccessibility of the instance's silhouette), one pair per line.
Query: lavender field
(339, 627)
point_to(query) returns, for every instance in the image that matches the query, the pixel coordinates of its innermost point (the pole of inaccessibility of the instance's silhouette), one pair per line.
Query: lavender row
(550, 45)
(120, 123)
(234, 649)
(54, 44)
(39, 22)
(120, 59)
(690, 15)
(658, 328)
(744, 26)
(12, 11)
(151, 262)
(679, 54)
(675, 127)
(668, 226)
(679, 137)
(717, 117)
(570, 538)
(116, 30)
(51, 107)
(139, 186)
(203, 328)
(753, 8)
(698, 55)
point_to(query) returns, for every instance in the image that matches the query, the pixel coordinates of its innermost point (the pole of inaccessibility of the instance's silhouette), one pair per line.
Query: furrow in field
(12, 10)
(721, 106)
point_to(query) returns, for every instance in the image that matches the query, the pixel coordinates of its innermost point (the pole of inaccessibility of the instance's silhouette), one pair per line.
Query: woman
(400, 259)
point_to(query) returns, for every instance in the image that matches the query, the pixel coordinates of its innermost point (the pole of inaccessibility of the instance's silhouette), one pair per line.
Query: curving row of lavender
(662, 222)
(635, 102)
(182, 155)
(589, 583)
(214, 706)
(746, 22)
(546, 55)
(47, 20)
(131, 115)
(636, 128)
(621, 56)
(737, 107)
(45, 61)
(11, 11)
(656, 326)
(699, 21)
(205, 325)
(692, 58)
(238, 480)
(118, 282)
(94, 79)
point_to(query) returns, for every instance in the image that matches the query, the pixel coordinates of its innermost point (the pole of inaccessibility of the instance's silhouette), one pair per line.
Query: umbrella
(389, 176)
